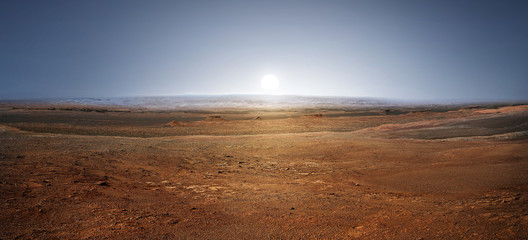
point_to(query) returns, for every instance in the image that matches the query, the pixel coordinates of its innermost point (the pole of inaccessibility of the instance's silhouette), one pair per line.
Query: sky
(416, 50)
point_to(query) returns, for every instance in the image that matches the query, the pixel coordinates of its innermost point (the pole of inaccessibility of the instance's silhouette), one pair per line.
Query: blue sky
(391, 49)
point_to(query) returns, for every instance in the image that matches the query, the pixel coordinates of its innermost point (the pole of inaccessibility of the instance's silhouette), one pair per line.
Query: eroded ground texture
(78, 173)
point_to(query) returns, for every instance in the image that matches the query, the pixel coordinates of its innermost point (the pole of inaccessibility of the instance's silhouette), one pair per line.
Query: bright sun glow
(269, 82)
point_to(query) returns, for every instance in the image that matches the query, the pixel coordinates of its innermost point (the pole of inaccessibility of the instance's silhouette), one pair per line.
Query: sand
(87, 173)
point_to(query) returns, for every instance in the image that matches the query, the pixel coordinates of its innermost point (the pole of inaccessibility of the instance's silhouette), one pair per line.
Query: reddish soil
(291, 174)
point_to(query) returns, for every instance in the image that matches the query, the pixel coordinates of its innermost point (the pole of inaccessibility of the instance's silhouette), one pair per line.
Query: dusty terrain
(426, 173)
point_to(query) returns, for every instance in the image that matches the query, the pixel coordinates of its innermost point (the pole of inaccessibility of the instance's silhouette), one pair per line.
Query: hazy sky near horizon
(392, 49)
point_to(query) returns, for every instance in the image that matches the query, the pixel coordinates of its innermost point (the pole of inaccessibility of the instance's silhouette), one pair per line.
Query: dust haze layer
(244, 102)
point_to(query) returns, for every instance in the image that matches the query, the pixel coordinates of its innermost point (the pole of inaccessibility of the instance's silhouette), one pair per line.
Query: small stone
(102, 183)
(172, 221)
(357, 184)
(292, 208)
(228, 156)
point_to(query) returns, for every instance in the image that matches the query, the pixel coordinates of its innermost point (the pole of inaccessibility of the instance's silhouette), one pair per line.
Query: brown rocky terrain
(406, 173)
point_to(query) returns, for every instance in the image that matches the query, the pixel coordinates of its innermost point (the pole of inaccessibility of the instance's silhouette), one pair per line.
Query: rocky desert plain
(430, 172)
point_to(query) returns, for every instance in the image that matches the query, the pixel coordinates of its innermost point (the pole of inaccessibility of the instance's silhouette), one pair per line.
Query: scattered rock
(215, 118)
(33, 185)
(317, 115)
(172, 221)
(175, 123)
(102, 183)
(258, 118)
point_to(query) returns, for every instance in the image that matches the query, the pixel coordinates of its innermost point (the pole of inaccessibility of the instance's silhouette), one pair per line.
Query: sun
(269, 82)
